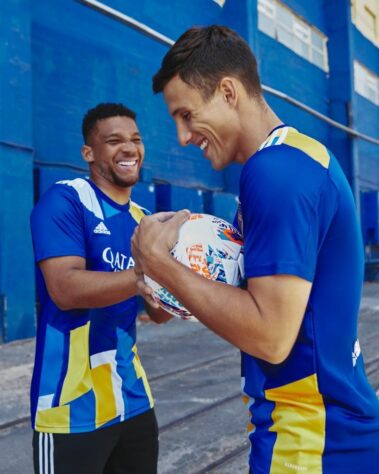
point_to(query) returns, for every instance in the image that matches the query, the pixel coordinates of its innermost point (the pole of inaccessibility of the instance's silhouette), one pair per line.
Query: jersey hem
(82, 428)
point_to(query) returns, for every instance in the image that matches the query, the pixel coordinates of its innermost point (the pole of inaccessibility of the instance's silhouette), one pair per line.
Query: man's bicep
(282, 301)
(56, 272)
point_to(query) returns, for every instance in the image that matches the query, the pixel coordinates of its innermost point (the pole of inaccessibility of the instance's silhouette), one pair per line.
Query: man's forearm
(90, 289)
(262, 320)
(233, 314)
(158, 315)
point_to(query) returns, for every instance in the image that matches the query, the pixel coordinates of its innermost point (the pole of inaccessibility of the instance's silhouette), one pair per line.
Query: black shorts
(129, 447)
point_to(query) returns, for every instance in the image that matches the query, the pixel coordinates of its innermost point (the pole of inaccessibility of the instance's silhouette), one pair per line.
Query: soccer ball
(212, 248)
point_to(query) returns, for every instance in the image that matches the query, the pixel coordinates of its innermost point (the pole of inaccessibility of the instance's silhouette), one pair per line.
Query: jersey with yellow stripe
(87, 372)
(315, 412)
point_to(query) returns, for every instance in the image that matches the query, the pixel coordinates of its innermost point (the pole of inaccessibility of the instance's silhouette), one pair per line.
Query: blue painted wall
(341, 85)
(366, 115)
(81, 57)
(311, 11)
(60, 58)
(299, 78)
(16, 177)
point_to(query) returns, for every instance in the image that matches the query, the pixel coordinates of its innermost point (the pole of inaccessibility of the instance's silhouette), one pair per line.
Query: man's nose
(184, 135)
(129, 147)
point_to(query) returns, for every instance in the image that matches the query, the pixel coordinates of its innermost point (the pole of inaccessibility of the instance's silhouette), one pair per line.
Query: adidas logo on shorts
(101, 229)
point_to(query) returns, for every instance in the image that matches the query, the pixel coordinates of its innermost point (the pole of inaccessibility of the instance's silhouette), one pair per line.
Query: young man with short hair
(311, 406)
(92, 409)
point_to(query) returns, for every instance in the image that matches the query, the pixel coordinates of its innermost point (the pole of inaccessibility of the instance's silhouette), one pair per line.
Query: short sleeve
(279, 196)
(57, 224)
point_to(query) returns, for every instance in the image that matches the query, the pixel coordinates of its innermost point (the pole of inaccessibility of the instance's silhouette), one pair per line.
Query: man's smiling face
(203, 123)
(117, 151)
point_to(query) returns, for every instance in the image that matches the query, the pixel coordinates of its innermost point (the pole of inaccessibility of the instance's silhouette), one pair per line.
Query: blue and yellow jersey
(316, 411)
(87, 372)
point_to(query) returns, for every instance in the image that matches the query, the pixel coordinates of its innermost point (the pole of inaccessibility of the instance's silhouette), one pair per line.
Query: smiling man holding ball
(311, 406)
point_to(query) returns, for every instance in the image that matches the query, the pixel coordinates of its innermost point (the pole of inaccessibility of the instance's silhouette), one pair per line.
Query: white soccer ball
(212, 248)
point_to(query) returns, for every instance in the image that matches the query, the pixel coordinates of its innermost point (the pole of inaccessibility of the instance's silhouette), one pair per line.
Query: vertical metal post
(355, 168)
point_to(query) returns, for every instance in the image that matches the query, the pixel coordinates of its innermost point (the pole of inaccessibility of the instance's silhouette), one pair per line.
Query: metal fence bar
(128, 20)
(319, 115)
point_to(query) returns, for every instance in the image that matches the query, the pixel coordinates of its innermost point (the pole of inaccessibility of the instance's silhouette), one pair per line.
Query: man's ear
(229, 89)
(87, 154)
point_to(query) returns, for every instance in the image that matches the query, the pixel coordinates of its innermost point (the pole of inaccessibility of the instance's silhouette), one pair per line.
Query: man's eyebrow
(119, 135)
(111, 135)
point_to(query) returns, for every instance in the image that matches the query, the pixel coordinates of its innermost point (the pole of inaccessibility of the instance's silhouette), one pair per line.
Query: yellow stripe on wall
(78, 377)
(54, 420)
(299, 421)
(136, 212)
(105, 401)
(140, 373)
(308, 145)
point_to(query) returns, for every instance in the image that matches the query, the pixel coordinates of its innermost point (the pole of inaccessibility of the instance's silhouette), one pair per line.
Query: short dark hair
(202, 56)
(103, 111)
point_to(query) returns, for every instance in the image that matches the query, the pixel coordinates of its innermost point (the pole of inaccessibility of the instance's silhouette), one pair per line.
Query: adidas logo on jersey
(101, 229)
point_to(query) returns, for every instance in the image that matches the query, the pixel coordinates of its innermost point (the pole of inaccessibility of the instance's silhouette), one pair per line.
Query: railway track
(198, 404)
(225, 460)
(185, 420)
(186, 369)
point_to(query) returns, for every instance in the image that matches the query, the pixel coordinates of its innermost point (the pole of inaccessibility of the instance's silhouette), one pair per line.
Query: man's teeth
(204, 144)
(127, 163)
